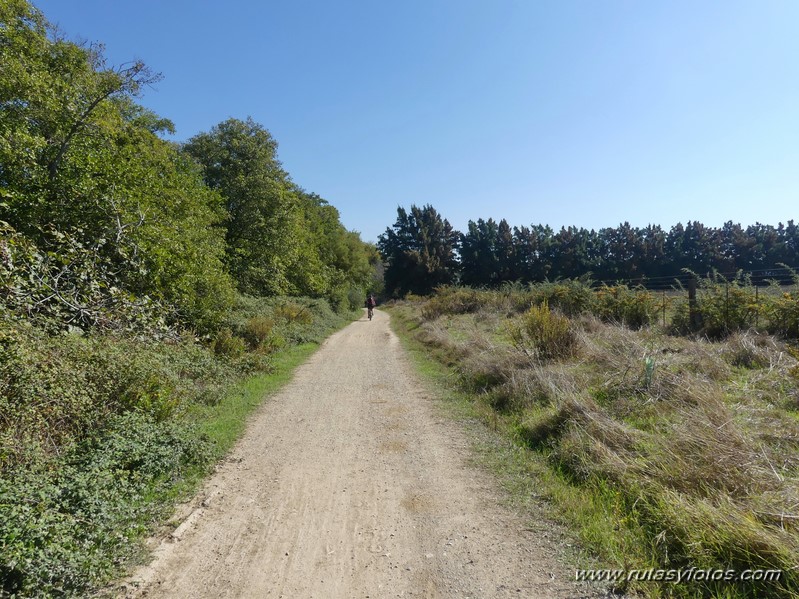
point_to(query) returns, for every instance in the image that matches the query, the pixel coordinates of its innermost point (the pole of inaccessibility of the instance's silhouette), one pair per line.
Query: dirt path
(346, 485)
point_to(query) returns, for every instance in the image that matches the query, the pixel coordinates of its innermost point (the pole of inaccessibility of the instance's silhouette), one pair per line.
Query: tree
(419, 251)
(264, 219)
(573, 253)
(334, 262)
(735, 248)
(479, 262)
(113, 209)
(654, 248)
(623, 252)
(506, 254)
(57, 99)
(533, 252)
(280, 238)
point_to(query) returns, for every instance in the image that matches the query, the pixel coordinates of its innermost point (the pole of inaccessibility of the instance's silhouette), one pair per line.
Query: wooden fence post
(693, 310)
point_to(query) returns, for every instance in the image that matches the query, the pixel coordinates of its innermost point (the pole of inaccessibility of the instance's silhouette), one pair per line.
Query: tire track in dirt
(347, 485)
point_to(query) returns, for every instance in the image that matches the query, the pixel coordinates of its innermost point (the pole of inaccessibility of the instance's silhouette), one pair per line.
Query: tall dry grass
(689, 448)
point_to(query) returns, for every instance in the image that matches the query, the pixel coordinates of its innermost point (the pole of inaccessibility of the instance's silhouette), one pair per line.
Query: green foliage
(544, 334)
(239, 160)
(114, 254)
(295, 320)
(178, 240)
(632, 307)
(94, 435)
(258, 332)
(419, 251)
(487, 254)
(227, 344)
(783, 315)
(280, 239)
(112, 220)
(292, 312)
(70, 285)
(726, 305)
(722, 306)
(454, 300)
(61, 523)
(58, 390)
(492, 253)
(781, 307)
(571, 297)
(107, 215)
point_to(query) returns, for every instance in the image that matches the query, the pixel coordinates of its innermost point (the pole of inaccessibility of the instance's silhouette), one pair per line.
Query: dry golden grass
(693, 445)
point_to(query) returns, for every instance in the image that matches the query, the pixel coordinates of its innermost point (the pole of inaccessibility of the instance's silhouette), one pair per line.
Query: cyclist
(370, 305)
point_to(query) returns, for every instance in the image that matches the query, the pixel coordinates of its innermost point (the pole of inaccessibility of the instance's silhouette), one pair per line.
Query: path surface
(347, 485)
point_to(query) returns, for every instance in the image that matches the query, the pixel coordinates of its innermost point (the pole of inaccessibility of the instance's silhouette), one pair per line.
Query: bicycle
(369, 312)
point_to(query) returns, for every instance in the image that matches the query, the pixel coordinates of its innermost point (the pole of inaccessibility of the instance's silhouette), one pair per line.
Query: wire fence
(765, 277)
(720, 303)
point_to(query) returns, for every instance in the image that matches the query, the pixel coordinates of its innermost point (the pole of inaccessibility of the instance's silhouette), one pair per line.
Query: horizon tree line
(422, 251)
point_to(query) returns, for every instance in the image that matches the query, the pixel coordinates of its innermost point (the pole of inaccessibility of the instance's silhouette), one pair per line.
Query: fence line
(757, 277)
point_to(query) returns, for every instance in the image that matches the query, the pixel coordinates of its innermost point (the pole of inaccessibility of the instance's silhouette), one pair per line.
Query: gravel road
(348, 484)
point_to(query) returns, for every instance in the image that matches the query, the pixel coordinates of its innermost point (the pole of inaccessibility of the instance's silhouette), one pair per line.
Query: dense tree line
(103, 221)
(489, 253)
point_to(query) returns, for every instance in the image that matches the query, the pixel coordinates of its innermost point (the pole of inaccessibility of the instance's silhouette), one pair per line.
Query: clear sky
(560, 112)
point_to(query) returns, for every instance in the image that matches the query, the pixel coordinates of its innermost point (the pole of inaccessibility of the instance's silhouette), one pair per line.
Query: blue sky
(556, 112)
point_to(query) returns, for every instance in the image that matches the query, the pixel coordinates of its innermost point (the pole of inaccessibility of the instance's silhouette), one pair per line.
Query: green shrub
(453, 300)
(355, 298)
(632, 307)
(90, 293)
(55, 391)
(258, 331)
(65, 525)
(292, 312)
(722, 307)
(93, 435)
(782, 311)
(544, 334)
(571, 297)
(227, 344)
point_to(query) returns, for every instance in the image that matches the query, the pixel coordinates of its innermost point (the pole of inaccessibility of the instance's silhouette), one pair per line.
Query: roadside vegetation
(150, 293)
(100, 434)
(661, 447)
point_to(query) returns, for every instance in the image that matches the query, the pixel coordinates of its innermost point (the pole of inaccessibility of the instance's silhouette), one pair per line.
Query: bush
(723, 306)
(258, 332)
(291, 312)
(56, 391)
(571, 297)
(782, 311)
(65, 524)
(355, 299)
(453, 300)
(632, 307)
(90, 294)
(227, 344)
(544, 334)
(93, 435)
